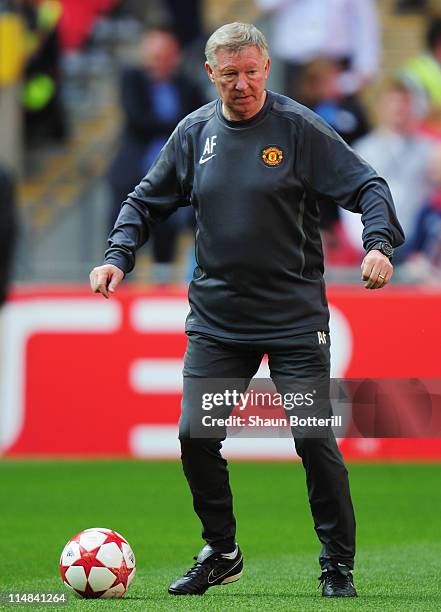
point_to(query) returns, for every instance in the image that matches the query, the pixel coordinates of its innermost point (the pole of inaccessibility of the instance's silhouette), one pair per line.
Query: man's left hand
(376, 270)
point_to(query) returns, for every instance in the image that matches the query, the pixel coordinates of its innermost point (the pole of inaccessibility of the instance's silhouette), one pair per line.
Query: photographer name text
(258, 421)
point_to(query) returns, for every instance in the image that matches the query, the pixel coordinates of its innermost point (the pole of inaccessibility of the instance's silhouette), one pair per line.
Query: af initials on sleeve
(321, 337)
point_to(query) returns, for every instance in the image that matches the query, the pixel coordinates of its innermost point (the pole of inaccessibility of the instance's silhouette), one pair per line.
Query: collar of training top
(246, 123)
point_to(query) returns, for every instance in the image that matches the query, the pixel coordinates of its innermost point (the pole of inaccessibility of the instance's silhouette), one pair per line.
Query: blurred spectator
(45, 116)
(342, 30)
(7, 229)
(423, 73)
(319, 89)
(155, 97)
(402, 156)
(424, 242)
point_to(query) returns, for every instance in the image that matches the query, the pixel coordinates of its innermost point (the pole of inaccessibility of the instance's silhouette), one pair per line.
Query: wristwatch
(385, 248)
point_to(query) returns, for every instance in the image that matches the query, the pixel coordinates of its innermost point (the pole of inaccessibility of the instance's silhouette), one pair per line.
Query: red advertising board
(84, 376)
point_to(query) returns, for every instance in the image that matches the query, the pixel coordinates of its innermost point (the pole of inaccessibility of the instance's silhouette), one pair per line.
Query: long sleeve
(158, 195)
(332, 170)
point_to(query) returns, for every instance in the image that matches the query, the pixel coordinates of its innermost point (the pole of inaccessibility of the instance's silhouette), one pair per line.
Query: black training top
(254, 185)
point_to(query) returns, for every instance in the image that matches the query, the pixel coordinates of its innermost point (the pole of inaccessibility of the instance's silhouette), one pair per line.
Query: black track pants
(303, 356)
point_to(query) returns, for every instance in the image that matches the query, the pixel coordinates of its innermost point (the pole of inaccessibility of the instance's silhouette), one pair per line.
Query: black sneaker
(337, 582)
(211, 568)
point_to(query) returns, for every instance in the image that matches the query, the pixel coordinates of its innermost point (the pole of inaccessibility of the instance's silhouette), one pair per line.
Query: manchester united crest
(272, 156)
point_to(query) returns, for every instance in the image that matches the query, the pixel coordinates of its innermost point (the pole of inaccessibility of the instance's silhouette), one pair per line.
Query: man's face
(397, 112)
(160, 54)
(240, 78)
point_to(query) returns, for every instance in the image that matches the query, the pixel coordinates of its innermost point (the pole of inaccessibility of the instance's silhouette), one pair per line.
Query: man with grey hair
(253, 165)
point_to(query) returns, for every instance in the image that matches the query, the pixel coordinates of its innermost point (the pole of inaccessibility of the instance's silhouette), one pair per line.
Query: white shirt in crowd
(404, 163)
(303, 30)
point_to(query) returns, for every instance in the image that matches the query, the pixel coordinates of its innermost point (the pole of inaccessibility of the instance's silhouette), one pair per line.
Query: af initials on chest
(208, 152)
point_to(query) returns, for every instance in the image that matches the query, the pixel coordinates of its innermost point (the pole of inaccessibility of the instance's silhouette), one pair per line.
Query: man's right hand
(105, 279)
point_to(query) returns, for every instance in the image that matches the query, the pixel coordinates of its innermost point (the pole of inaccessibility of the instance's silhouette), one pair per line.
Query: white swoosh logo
(203, 160)
(215, 577)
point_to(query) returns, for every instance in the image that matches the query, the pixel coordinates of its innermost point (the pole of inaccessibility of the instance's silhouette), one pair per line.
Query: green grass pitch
(398, 567)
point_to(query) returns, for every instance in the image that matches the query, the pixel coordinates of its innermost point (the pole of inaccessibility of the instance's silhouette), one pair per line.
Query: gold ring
(381, 276)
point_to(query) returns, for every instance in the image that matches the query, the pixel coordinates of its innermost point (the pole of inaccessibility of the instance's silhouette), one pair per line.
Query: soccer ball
(96, 563)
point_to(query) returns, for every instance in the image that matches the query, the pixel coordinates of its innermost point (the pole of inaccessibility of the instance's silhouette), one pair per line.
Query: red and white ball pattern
(97, 562)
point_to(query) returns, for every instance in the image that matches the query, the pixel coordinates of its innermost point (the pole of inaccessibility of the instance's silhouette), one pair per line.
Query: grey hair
(235, 36)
